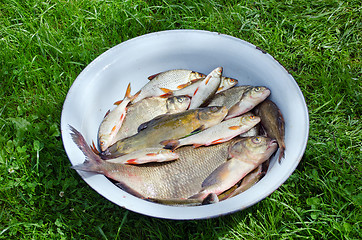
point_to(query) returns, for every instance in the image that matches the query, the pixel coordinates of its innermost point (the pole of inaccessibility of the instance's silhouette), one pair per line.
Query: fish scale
(178, 179)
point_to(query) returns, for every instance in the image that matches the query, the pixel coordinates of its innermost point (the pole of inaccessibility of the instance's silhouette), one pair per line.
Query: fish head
(177, 104)
(216, 72)
(259, 93)
(211, 116)
(249, 120)
(104, 141)
(256, 149)
(227, 83)
(196, 75)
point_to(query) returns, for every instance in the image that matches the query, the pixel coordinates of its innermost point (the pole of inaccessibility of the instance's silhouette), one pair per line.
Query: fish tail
(281, 154)
(92, 161)
(171, 144)
(128, 91)
(135, 96)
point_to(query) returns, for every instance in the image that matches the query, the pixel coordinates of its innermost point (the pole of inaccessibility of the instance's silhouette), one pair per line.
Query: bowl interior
(105, 80)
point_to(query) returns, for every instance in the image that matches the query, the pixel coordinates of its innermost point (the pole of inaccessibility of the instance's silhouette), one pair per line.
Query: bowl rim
(169, 211)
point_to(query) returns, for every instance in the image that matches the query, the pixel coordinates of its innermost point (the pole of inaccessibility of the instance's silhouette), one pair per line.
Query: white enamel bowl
(105, 80)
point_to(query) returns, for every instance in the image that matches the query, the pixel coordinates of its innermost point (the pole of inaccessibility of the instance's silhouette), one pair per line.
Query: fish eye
(180, 100)
(252, 117)
(213, 109)
(102, 143)
(257, 89)
(232, 80)
(256, 140)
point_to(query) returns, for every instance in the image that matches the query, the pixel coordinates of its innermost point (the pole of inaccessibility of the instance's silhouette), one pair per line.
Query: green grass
(46, 44)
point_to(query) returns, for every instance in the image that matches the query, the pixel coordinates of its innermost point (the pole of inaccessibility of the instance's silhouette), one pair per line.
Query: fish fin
(93, 161)
(128, 91)
(196, 145)
(281, 154)
(207, 80)
(135, 96)
(217, 141)
(166, 90)
(197, 130)
(196, 91)
(132, 161)
(210, 199)
(107, 113)
(153, 76)
(151, 154)
(148, 123)
(170, 144)
(183, 85)
(94, 148)
(117, 103)
(220, 88)
(196, 80)
(234, 127)
(128, 189)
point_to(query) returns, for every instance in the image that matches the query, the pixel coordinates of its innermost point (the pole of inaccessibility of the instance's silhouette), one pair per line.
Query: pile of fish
(187, 138)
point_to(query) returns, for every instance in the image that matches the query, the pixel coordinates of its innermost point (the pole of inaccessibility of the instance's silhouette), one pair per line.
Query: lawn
(46, 44)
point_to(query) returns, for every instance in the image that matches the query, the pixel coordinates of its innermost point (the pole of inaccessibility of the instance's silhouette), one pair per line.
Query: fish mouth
(272, 143)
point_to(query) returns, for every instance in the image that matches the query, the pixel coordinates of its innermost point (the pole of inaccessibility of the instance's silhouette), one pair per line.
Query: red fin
(114, 128)
(170, 144)
(220, 88)
(220, 140)
(196, 91)
(197, 145)
(132, 161)
(166, 95)
(234, 127)
(153, 76)
(151, 154)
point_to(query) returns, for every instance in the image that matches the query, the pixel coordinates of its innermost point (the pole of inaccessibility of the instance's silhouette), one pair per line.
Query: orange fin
(128, 91)
(166, 90)
(197, 79)
(207, 80)
(118, 102)
(153, 76)
(135, 96)
(183, 85)
(196, 91)
(234, 127)
(151, 154)
(196, 145)
(220, 140)
(220, 88)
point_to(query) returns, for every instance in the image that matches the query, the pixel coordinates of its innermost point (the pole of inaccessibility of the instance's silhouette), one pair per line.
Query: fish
(247, 182)
(147, 109)
(226, 83)
(168, 126)
(207, 88)
(272, 122)
(171, 79)
(113, 121)
(146, 155)
(178, 179)
(216, 134)
(230, 97)
(251, 97)
(245, 156)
